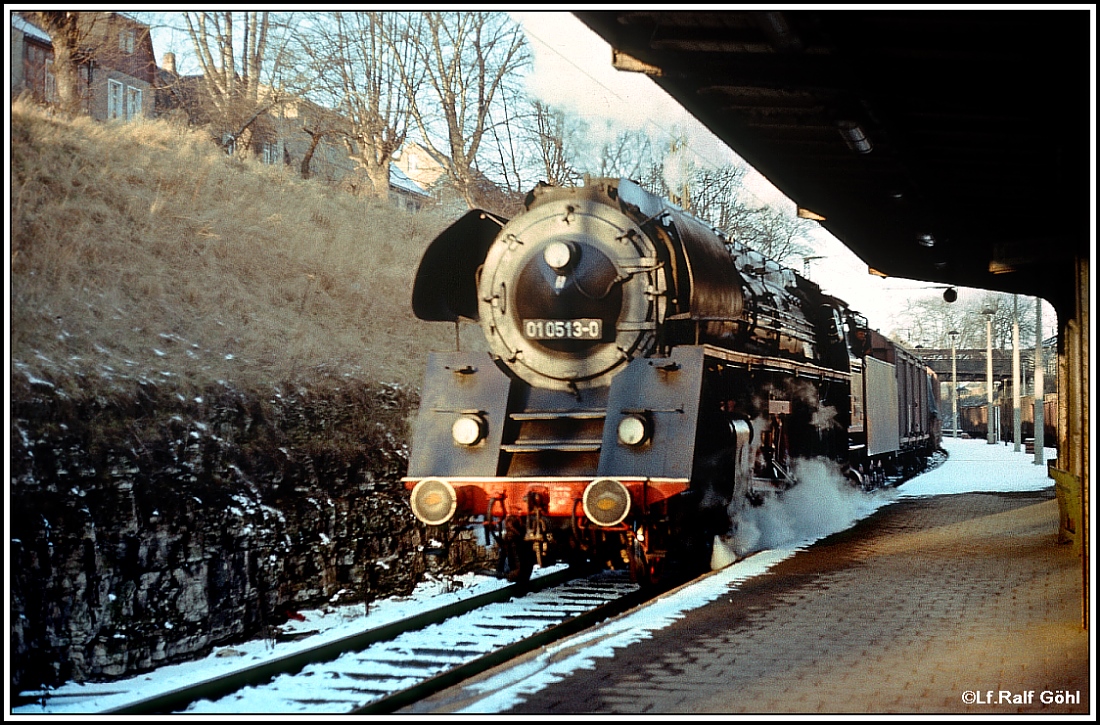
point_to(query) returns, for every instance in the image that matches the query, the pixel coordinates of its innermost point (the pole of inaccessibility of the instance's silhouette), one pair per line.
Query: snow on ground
(972, 466)
(316, 627)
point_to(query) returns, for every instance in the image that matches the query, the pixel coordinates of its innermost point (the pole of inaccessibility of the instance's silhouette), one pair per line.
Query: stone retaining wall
(149, 526)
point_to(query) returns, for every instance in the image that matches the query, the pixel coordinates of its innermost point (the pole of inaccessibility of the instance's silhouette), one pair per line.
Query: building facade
(117, 70)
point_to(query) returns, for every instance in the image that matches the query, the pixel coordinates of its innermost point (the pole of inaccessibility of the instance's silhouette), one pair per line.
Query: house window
(122, 101)
(270, 153)
(133, 102)
(126, 40)
(115, 91)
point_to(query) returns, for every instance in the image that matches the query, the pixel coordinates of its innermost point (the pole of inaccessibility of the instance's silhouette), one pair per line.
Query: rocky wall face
(147, 528)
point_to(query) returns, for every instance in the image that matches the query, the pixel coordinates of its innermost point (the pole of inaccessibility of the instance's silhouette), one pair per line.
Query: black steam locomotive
(646, 381)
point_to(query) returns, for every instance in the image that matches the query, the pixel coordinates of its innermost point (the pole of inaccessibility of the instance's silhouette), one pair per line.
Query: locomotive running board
(775, 365)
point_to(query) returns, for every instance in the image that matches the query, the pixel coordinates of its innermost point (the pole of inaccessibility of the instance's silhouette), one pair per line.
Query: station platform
(961, 604)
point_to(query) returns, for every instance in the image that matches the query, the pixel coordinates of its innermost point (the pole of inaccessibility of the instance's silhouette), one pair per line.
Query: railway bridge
(970, 364)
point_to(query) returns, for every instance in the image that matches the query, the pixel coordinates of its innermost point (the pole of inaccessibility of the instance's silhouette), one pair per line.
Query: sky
(972, 466)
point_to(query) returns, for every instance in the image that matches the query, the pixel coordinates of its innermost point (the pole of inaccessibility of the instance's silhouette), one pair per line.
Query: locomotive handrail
(559, 415)
(592, 414)
(537, 446)
(636, 325)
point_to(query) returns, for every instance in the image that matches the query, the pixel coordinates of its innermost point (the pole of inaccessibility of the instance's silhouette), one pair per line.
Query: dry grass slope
(139, 252)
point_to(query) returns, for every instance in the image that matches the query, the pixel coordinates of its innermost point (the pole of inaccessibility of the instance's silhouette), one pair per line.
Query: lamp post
(988, 312)
(954, 335)
(1016, 379)
(1039, 385)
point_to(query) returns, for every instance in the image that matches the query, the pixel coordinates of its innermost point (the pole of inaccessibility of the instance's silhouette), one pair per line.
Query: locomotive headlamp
(558, 255)
(434, 501)
(468, 430)
(606, 502)
(634, 430)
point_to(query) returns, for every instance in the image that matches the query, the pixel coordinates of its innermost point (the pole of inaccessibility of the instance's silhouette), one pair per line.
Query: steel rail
(212, 689)
(394, 702)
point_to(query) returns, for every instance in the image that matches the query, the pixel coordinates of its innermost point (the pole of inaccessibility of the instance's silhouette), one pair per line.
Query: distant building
(311, 140)
(407, 191)
(120, 79)
(297, 128)
(117, 76)
(429, 171)
(420, 165)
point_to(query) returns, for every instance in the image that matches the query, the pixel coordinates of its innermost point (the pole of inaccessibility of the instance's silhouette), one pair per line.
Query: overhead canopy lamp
(855, 137)
(926, 240)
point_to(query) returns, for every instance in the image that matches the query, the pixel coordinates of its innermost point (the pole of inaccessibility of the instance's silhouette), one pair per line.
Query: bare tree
(714, 193)
(242, 62)
(318, 128)
(68, 33)
(1007, 310)
(628, 154)
(928, 320)
(466, 57)
(774, 232)
(357, 58)
(509, 152)
(553, 136)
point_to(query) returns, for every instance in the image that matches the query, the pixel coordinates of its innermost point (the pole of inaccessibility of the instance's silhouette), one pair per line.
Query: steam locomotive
(647, 380)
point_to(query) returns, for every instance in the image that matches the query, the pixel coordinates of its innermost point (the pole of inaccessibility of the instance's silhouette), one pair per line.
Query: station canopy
(950, 146)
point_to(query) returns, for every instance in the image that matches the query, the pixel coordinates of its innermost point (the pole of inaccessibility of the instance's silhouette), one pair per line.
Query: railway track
(382, 670)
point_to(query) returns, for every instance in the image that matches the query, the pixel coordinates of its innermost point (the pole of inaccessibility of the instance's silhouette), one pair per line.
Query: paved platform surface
(951, 604)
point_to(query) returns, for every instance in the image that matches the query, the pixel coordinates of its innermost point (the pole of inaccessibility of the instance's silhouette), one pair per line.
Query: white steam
(823, 502)
(679, 170)
(824, 416)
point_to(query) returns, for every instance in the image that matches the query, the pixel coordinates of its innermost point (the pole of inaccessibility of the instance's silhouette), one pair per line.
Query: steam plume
(822, 503)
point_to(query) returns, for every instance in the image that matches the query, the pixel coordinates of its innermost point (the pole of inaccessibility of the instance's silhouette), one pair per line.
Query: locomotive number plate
(584, 329)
